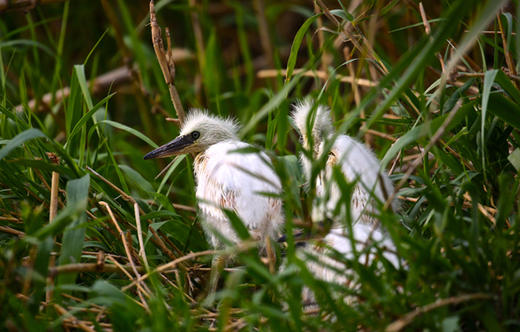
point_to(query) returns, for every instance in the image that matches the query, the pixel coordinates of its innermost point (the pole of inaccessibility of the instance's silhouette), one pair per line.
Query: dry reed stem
(53, 210)
(100, 83)
(409, 317)
(155, 238)
(90, 267)
(125, 196)
(197, 31)
(142, 252)
(243, 246)
(267, 73)
(161, 244)
(166, 62)
(75, 321)
(382, 135)
(16, 220)
(509, 59)
(55, 181)
(263, 30)
(173, 264)
(128, 253)
(428, 30)
(326, 58)
(9, 230)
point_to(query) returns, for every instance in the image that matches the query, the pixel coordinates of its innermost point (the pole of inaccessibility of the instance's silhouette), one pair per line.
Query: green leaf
(137, 179)
(514, 159)
(295, 47)
(508, 87)
(237, 224)
(19, 140)
(87, 116)
(421, 131)
(74, 235)
(505, 109)
(489, 79)
(129, 130)
(80, 74)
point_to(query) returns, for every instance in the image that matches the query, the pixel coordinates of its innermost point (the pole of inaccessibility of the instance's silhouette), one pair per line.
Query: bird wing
(361, 163)
(235, 180)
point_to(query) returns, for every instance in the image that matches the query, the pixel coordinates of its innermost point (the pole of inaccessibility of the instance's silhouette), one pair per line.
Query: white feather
(358, 164)
(237, 181)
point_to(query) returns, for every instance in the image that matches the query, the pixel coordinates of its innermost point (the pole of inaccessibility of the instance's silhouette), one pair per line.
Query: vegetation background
(432, 87)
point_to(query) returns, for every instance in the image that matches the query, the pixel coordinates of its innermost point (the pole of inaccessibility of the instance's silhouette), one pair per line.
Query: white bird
(358, 164)
(228, 179)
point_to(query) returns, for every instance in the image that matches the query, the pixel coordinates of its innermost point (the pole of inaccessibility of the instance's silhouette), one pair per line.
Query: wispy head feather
(201, 120)
(316, 117)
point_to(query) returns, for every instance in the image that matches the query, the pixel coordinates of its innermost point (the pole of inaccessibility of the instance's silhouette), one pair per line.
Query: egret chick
(358, 164)
(227, 179)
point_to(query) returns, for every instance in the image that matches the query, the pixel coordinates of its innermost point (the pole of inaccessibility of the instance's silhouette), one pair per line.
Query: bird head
(314, 119)
(199, 132)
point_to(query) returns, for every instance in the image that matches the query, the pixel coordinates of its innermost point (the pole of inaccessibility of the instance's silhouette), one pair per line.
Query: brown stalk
(507, 53)
(54, 187)
(53, 209)
(9, 230)
(101, 83)
(197, 31)
(138, 86)
(161, 243)
(166, 61)
(171, 265)
(243, 246)
(315, 73)
(142, 252)
(125, 196)
(263, 30)
(326, 58)
(402, 322)
(75, 321)
(155, 238)
(428, 30)
(127, 251)
(91, 267)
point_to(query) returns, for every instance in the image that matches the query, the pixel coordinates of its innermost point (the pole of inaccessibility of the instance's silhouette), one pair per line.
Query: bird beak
(172, 148)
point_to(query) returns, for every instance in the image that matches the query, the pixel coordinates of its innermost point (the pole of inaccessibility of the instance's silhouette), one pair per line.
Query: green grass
(457, 231)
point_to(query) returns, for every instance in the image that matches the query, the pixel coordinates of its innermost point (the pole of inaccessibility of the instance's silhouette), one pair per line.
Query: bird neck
(199, 164)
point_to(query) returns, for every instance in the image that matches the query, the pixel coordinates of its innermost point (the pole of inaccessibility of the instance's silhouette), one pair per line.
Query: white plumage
(357, 163)
(228, 179)
(236, 181)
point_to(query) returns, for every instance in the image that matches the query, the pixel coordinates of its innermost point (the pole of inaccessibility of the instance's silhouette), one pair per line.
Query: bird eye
(195, 135)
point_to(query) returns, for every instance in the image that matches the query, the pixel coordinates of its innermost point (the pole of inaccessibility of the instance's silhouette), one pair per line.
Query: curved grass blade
(296, 45)
(130, 131)
(19, 140)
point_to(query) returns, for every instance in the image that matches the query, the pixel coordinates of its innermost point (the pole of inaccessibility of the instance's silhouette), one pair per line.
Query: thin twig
(165, 59)
(428, 30)
(142, 252)
(507, 53)
(53, 209)
(127, 249)
(5, 229)
(263, 30)
(265, 73)
(171, 265)
(161, 243)
(91, 267)
(75, 321)
(409, 317)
